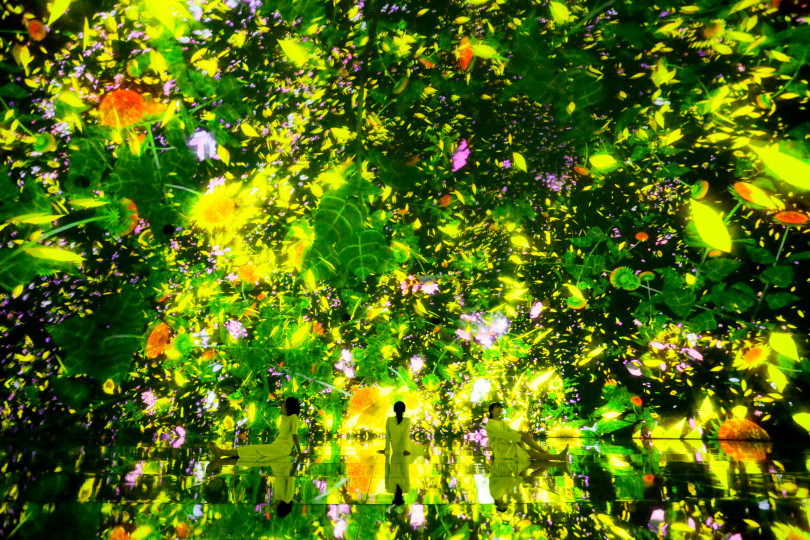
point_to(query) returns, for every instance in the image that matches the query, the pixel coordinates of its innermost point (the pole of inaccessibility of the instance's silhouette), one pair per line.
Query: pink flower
(461, 155)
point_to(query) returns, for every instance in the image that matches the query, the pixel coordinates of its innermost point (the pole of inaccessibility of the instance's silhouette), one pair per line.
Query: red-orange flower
(158, 340)
(642, 236)
(636, 401)
(317, 328)
(37, 30)
(648, 479)
(465, 53)
(582, 171)
(746, 450)
(789, 217)
(445, 200)
(121, 108)
(130, 205)
(741, 429)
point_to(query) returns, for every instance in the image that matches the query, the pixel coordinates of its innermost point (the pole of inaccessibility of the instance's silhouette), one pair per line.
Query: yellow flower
(109, 386)
(751, 357)
(228, 423)
(214, 210)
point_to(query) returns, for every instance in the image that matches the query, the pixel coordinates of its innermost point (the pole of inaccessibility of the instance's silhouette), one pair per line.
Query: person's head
(399, 500)
(399, 409)
(215, 491)
(495, 410)
(291, 406)
(283, 508)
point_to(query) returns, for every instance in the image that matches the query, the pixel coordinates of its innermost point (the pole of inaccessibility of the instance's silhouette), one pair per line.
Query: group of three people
(507, 445)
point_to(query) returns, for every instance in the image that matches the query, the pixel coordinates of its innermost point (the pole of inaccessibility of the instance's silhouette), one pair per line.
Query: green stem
(154, 151)
(731, 214)
(801, 64)
(591, 14)
(579, 276)
(122, 336)
(184, 189)
(768, 285)
(51, 233)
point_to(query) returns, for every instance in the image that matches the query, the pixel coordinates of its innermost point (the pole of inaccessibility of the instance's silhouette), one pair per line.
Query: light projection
(596, 213)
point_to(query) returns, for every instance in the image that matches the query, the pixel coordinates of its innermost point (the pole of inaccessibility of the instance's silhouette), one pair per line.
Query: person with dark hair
(281, 447)
(506, 443)
(398, 441)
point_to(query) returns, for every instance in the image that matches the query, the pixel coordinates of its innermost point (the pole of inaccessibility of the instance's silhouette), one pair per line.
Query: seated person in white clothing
(507, 443)
(286, 440)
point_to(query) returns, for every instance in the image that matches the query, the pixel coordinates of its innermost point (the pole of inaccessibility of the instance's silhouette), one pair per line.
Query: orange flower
(158, 340)
(746, 450)
(208, 355)
(636, 401)
(789, 217)
(121, 108)
(133, 218)
(648, 479)
(119, 534)
(582, 171)
(36, 30)
(182, 530)
(426, 63)
(317, 328)
(445, 200)
(465, 53)
(370, 405)
(740, 429)
(642, 236)
(700, 190)
(247, 273)
(752, 357)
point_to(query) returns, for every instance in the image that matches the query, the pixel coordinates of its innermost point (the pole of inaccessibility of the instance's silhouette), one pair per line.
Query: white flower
(480, 390)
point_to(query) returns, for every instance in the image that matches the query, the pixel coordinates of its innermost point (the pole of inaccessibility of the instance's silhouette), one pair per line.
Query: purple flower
(235, 329)
(461, 155)
(205, 144)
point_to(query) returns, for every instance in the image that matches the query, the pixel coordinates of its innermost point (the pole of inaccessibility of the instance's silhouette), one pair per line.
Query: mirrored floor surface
(346, 489)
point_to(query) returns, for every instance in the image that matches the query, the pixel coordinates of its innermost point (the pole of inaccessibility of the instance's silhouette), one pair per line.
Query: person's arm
(294, 429)
(388, 436)
(498, 429)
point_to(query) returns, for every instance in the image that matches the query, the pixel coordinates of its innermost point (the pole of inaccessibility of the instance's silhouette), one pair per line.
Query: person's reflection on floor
(507, 476)
(282, 471)
(398, 483)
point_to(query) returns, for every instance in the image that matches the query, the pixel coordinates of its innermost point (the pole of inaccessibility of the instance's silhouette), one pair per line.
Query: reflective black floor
(664, 488)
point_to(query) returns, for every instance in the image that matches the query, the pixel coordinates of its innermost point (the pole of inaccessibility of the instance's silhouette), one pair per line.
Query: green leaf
(704, 321)
(602, 162)
(53, 254)
(777, 377)
(740, 297)
(719, 269)
(710, 226)
(366, 255)
(295, 52)
(795, 172)
(779, 300)
(778, 276)
(784, 345)
(559, 12)
(13, 91)
(803, 419)
(58, 8)
(520, 163)
(484, 51)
